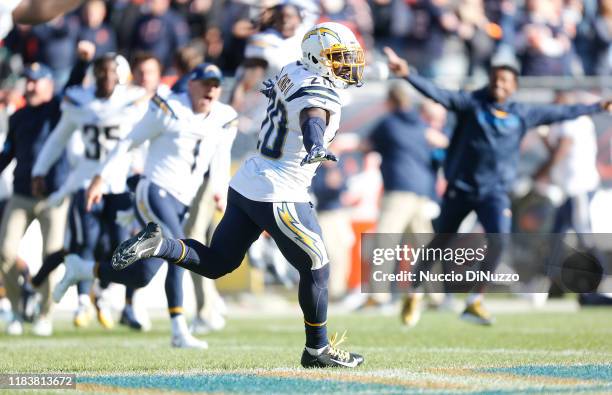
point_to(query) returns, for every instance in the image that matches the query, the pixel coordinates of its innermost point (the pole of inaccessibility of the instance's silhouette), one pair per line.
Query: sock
(312, 295)
(129, 295)
(170, 249)
(316, 336)
(50, 263)
(175, 250)
(84, 299)
(179, 325)
(315, 351)
(473, 298)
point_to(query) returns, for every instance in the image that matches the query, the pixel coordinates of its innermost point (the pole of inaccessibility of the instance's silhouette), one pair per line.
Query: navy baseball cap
(37, 71)
(206, 71)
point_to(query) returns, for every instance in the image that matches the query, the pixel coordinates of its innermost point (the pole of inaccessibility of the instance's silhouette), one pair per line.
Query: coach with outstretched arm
(482, 159)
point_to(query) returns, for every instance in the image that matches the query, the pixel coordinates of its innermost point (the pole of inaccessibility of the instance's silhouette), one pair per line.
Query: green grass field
(523, 353)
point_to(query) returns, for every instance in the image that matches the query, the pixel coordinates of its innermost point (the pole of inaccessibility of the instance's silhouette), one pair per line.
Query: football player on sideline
(104, 114)
(481, 163)
(187, 132)
(270, 191)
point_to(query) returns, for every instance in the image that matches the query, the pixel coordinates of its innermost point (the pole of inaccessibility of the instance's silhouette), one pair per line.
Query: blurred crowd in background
(550, 37)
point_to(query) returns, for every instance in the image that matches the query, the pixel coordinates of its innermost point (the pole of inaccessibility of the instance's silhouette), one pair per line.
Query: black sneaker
(141, 246)
(128, 318)
(30, 303)
(332, 357)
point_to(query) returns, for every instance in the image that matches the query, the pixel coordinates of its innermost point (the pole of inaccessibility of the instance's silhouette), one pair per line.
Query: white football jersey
(183, 145)
(576, 172)
(101, 124)
(274, 173)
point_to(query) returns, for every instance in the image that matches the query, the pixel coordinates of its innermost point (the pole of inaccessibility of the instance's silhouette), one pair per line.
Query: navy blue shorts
(292, 225)
(87, 228)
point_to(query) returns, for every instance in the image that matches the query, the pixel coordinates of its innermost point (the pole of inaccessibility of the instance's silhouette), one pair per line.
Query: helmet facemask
(346, 62)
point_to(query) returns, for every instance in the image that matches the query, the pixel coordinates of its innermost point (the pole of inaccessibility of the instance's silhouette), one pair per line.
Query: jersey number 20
(274, 128)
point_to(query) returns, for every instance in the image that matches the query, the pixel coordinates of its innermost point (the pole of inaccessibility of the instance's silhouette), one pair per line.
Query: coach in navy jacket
(28, 129)
(483, 154)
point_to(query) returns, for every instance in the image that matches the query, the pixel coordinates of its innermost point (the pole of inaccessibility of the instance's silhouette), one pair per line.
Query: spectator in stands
(185, 60)
(543, 43)
(356, 14)
(160, 31)
(503, 13)
(238, 24)
(266, 53)
(430, 23)
(200, 14)
(94, 29)
(56, 46)
(479, 34)
(603, 38)
(123, 15)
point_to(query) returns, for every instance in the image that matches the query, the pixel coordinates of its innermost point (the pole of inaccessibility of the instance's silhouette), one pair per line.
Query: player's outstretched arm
(32, 12)
(313, 123)
(51, 152)
(535, 115)
(148, 128)
(452, 100)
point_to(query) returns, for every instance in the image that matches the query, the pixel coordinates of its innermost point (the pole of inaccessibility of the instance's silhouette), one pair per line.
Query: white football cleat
(185, 340)
(42, 327)
(77, 270)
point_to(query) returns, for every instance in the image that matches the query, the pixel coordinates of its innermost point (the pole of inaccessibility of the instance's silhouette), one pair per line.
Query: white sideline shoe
(186, 340)
(42, 327)
(201, 326)
(14, 328)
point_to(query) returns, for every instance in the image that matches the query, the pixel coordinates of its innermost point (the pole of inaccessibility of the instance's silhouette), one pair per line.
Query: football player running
(187, 132)
(104, 114)
(270, 191)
